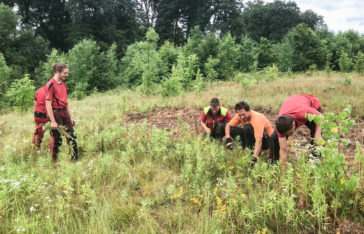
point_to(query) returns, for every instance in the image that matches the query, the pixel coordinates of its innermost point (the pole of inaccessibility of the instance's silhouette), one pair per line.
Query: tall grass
(137, 179)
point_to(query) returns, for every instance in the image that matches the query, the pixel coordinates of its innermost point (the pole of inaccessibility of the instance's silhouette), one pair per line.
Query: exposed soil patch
(172, 119)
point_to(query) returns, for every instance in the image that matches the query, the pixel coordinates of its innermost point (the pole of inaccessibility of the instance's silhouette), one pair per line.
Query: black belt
(40, 114)
(59, 109)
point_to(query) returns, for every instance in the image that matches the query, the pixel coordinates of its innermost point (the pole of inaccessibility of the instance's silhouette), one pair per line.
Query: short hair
(284, 123)
(214, 102)
(242, 105)
(58, 67)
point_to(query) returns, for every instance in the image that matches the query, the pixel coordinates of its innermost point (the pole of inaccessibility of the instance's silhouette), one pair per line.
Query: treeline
(165, 46)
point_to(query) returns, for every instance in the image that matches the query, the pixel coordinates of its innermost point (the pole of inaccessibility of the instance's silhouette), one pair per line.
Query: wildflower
(20, 229)
(47, 217)
(264, 230)
(334, 130)
(195, 201)
(357, 197)
(291, 144)
(231, 168)
(215, 191)
(322, 143)
(342, 181)
(243, 195)
(164, 158)
(179, 194)
(32, 209)
(332, 175)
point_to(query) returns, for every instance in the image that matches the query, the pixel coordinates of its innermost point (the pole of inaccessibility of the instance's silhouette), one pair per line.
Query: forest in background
(163, 46)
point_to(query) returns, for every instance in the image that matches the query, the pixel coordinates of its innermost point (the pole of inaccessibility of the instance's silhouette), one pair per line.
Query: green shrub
(21, 93)
(345, 63)
(210, 68)
(359, 63)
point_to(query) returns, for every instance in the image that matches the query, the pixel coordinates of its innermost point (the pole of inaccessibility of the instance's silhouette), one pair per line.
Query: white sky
(339, 15)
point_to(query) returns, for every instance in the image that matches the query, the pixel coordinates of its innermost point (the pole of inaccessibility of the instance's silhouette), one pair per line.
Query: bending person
(40, 116)
(293, 114)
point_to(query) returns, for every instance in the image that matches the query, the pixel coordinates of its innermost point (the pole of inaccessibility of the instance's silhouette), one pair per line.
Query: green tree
(44, 71)
(210, 68)
(82, 61)
(359, 63)
(265, 55)
(21, 93)
(228, 56)
(247, 54)
(168, 54)
(4, 79)
(283, 53)
(345, 62)
(307, 48)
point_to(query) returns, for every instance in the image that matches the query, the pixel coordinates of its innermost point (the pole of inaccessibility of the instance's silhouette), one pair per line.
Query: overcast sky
(339, 15)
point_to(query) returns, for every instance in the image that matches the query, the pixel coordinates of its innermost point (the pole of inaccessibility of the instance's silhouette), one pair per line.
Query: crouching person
(214, 119)
(58, 111)
(254, 133)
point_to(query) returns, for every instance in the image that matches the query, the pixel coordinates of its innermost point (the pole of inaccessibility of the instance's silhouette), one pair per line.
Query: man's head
(243, 110)
(61, 70)
(215, 105)
(285, 125)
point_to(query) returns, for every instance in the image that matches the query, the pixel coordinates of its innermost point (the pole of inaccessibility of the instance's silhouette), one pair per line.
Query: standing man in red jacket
(293, 114)
(40, 116)
(58, 111)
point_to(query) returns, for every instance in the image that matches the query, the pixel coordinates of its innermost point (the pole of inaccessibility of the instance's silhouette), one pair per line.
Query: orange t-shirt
(258, 121)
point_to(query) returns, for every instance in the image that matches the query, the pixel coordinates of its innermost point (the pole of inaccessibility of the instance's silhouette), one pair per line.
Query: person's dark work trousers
(219, 131)
(246, 135)
(63, 119)
(274, 143)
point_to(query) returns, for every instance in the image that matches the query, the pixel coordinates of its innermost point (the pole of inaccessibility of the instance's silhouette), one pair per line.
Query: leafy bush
(21, 93)
(44, 71)
(210, 70)
(82, 62)
(4, 77)
(359, 63)
(345, 63)
(228, 57)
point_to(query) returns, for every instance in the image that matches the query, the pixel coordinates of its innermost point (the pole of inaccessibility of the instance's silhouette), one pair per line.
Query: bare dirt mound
(173, 118)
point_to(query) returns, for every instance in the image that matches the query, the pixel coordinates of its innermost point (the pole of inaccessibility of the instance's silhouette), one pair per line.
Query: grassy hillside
(136, 179)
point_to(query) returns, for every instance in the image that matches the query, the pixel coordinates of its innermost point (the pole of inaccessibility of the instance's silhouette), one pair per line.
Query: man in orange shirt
(255, 132)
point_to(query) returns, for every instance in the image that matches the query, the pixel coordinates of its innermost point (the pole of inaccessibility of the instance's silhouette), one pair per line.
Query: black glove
(254, 161)
(229, 143)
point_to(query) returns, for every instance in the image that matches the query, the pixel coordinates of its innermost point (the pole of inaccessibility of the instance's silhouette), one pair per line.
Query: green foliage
(340, 188)
(246, 80)
(21, 93)
(247, 54)
(82, 62)
(185, 70)
(199, 83)
(171, 87)
(271, 73)
(80, 90)
(359, 63)
(328, 66)
(228, 54)
(312, 69)
(307, 48)
(142, 65)
(347, 81)
(265, 55)
(44, 70)
(4, 77)
(283, 53)
(168, 54)
(345, 63)
(210, 68)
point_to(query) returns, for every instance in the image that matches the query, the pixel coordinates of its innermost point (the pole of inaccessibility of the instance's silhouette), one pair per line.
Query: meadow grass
(137, 179)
